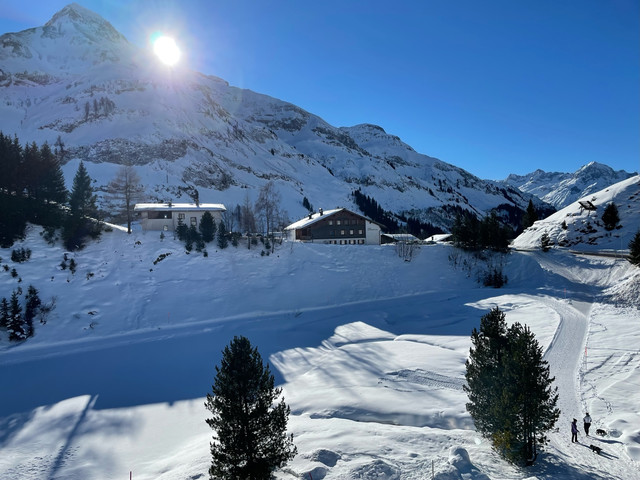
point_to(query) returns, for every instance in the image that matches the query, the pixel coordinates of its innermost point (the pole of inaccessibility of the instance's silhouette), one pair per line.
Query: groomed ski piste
(369, 350)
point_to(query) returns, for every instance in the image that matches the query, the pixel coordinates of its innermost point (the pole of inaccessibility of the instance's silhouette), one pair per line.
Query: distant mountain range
(77, 81)
(562, 189)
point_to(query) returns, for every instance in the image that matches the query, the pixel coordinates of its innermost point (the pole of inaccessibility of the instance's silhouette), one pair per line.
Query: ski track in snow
(565, 357)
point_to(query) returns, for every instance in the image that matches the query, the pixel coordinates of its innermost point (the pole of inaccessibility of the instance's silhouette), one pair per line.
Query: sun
(166, 50)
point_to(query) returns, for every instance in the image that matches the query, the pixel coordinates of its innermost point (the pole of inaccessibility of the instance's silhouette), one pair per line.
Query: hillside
(561, 189)
(369, 349)
(76, 81)
(581, 229)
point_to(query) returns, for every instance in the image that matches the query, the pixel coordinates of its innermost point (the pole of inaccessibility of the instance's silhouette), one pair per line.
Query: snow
(369, 350)
(585, 230)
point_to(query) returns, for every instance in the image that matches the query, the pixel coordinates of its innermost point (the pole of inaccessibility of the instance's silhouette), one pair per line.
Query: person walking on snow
(574, 431)
(587, 423)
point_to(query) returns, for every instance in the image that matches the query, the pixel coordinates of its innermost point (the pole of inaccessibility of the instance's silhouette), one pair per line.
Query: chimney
(310, 215)
(320, 211)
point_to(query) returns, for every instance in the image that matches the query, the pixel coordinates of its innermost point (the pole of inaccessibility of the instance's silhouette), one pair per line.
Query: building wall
(373, 233)
(342, 228)
(168, 220)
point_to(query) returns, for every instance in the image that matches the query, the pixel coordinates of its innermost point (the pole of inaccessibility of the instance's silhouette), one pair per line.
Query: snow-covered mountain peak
(561, 189)
(77, 79)
(77, 19)
(74, 40)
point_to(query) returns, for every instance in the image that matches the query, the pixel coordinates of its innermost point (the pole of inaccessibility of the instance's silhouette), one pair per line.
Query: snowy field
(369, 350)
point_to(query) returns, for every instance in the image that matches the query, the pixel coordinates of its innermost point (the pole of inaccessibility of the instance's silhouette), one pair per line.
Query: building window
(181, 216)
(337, 222)
(165, 228)
(330, 222)
(332, 233)
(359, 232)
(194, 221)
(341, 232)
(361, 241)
(158, 215)
(350, 232)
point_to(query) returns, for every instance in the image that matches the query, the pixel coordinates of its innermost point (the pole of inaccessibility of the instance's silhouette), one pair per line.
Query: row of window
(346, 242)
(343, 232)
(168, 215)
(347, 222)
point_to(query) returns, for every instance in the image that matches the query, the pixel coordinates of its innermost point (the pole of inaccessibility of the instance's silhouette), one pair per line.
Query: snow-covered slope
(78, 80)
(369, 350)
(561, 189)
(581, 229)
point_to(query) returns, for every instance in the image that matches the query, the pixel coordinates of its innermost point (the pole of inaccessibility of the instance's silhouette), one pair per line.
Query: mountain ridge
(561, 189)
(111, 103)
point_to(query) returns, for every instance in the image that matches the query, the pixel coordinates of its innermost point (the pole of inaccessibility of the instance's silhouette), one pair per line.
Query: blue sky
(494, 87)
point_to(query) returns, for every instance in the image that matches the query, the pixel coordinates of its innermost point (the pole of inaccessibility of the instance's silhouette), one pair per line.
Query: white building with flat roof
(167, 216)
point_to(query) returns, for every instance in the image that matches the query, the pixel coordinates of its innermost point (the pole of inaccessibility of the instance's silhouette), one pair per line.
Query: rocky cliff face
(76, 80)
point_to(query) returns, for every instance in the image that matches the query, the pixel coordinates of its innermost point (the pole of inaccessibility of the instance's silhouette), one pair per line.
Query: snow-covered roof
(189, 207)
(313, 218)
(403, 237)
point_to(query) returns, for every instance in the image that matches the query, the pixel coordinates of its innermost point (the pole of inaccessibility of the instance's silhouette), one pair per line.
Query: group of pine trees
(470, 233)
(32, 189)
(18, 319)
(206, 233)
(511, 397)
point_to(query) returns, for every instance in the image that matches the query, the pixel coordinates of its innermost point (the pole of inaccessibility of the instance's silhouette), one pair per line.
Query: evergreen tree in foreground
(250, 439)
(511, 398)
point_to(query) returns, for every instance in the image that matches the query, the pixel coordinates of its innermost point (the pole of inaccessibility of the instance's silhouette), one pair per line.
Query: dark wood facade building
(339, 226)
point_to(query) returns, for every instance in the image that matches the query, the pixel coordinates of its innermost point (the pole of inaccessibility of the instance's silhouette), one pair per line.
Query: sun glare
(166, 50)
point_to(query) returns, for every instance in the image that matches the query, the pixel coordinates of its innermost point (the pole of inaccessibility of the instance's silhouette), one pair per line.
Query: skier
(587, 423)
(574, 431)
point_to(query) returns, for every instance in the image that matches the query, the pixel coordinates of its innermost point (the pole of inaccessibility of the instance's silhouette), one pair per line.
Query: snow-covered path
(565, 355)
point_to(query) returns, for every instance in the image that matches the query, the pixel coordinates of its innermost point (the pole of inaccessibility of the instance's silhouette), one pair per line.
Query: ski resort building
(166, 216)
(339, 226)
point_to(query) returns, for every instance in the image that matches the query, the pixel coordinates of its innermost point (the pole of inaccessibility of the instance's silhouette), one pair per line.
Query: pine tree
(53, 187)
(207, 227)
(634, 249)
(610, 217)
(484, 379)
(250, 439)
(511, 398)
(223, 241)
(81, 220)
(530, 216)
(15, 327)
(31, 309)
(182, 231)
(530, 398)
(4, 313)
